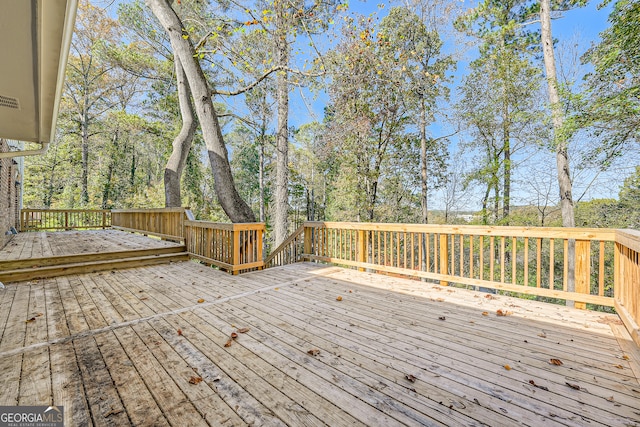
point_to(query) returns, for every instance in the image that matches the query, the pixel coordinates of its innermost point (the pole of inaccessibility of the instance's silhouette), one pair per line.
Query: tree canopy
(322, 110)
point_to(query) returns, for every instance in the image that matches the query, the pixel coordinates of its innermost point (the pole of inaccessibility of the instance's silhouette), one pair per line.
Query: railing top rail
(226, 225)
(64, 210)
(148, 210)
(284, 244)
(629, 238)
(500, 231)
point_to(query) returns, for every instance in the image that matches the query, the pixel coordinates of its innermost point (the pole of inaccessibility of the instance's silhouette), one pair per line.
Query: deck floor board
(120, 348)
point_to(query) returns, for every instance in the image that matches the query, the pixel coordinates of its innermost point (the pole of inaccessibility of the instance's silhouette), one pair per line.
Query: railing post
(308, 248)
(259, 244)
(583, 270)
(617, 272)
(444, 257)
(66, 220)
(361, 248)
(104, 219)
(235, 241)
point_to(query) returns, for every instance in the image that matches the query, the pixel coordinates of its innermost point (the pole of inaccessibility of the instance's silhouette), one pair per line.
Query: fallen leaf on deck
(618, 366)
(234, 335)
(556, 362)
(625, 357)
(440, 299)
(541, 387)
(243, 330)
(610, 399)
(542, 335)
(507, 367)
(144, 299)
(489, 296)
(350, 291)
(485, 313)
(180, 332)
(442, 318)
(276, 289)
(200, 301)
(339, 298)
(410, 378)
(573, 386)
(195, 380)
(500, 312)
(112, 412)
(42, 314)
(313, 352)
(228, 343)
(33, 319)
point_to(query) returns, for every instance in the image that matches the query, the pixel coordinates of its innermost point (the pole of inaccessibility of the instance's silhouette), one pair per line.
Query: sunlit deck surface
(46, 244)
(129, 347)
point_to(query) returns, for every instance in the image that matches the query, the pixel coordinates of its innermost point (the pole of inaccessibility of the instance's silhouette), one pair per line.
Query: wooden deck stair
(40, 268)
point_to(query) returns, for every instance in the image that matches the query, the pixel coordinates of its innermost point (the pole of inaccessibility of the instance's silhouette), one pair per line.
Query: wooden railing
(289, 251)
(232, 247)
(166, 223)
(525, 260)
(532, 261)
(627, 278)
(63, 219)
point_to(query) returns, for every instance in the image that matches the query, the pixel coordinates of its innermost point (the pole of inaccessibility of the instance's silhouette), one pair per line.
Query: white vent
(6, 101)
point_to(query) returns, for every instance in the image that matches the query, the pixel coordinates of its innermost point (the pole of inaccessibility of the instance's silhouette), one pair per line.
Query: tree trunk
(236, 209)
(281, 222)
(485, 201)
(84, 133)
(507, 174)
(106, 187)
(182, 142)
(562, 158)
(261, 175)
(423, 161)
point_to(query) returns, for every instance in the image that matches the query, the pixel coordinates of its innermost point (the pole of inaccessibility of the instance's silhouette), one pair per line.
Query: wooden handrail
(518, 259)
(627, 280)
(166, 223)
(231, 247)
(63, 219)
(288, 251)
(606, 234)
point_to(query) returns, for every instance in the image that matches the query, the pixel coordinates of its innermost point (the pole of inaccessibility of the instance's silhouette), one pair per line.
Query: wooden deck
(146, 346)
(48, 244)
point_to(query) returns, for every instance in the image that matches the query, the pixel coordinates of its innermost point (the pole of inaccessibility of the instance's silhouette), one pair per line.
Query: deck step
(36, 271)
(18, 264)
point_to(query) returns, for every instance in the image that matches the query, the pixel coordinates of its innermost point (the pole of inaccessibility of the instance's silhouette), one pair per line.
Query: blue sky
(581, 25)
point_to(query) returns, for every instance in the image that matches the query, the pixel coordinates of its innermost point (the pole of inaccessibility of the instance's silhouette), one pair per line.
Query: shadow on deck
(151, 346)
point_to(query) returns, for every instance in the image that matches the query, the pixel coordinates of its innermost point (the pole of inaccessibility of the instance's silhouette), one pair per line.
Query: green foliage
(611, 213)
(612, 106)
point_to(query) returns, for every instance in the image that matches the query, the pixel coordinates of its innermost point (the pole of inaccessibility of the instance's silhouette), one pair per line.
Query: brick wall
(9, 194)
